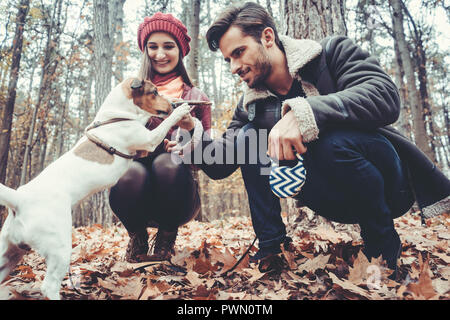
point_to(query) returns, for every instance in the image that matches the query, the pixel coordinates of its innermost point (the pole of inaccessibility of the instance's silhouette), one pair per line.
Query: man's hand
(187, 122)
(284, 138)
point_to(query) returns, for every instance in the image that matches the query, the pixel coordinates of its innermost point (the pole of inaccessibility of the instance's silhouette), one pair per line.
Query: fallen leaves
(327, 264)
(423, 288)
(311, 266)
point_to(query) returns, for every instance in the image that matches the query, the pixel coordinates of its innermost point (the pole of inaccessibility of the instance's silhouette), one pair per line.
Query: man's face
(247, 57)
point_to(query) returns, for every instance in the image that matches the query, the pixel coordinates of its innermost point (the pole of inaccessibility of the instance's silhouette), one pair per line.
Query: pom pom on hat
(164, 22)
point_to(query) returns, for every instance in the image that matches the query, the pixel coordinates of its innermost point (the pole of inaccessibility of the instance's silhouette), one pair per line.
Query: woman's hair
(146, 72)
(251, 18)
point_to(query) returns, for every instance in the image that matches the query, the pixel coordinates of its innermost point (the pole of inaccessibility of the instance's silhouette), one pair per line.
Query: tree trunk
(314, 19)
(119, 46)
(68, 90)
(7, 116)
(48, 73)
(403, 122)
(419, 126)
(269, 8)
(194, 27)
(103, 22)
(103, 51)
(310, 19)
(25, 156)
(420, 58)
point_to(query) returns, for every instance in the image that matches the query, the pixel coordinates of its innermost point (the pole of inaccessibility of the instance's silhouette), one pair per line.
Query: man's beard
(261, 69)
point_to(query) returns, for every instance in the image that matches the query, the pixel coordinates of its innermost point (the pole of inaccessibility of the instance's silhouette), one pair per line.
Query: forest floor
(328, 265)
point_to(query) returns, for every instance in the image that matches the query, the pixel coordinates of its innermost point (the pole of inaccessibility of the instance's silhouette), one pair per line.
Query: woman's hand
(170, 146)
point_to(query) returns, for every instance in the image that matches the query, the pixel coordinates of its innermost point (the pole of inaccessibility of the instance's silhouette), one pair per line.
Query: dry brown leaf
(202, 293)
(368, 273)
(442, 256)
(424, 287)
(203, 265)
(297, 279)
(226, 258)
(347, 285)
(245, 263)
(290, 258)
(328, 234)
(193, 278)
(311, 266)
(358, 273)
(163, 286)
(26, 272)
(149, 292)
(255, 275)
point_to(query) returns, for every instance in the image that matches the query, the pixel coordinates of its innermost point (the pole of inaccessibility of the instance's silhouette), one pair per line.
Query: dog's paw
(182, 110)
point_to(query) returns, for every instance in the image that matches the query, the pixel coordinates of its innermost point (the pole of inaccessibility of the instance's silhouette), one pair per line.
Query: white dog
(40, 211)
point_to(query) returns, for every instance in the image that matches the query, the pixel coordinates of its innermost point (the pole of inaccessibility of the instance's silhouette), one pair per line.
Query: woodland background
(59, 59)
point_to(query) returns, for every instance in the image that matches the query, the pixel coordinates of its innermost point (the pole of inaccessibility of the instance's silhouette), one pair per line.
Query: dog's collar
(102, 144)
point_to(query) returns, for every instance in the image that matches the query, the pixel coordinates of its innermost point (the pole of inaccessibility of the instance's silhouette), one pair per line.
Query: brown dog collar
(102, 144)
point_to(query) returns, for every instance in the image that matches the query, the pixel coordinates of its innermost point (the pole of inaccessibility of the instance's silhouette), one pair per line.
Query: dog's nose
(137, 84)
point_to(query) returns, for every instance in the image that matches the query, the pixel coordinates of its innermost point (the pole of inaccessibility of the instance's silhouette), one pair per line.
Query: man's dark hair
(250, 17)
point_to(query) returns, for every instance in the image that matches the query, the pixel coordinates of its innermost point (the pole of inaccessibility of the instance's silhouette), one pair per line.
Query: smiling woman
(163, 52)
(156, 191)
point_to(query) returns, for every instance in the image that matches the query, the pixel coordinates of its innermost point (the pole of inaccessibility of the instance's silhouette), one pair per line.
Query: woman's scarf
(169, 85)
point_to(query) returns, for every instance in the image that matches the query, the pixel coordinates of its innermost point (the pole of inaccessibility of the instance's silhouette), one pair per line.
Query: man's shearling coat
(345, 88)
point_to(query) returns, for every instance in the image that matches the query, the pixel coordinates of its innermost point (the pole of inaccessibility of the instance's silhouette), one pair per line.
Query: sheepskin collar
(298, 53)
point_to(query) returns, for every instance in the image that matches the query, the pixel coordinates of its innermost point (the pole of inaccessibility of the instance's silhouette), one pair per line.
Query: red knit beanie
(166, 23)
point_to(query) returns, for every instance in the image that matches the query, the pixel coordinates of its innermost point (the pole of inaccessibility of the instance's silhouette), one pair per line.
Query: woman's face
(163, 52)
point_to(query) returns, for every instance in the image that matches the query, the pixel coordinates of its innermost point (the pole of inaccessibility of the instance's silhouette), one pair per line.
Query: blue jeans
(352, 176)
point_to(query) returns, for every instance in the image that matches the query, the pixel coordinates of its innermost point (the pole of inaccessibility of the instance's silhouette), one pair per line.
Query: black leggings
(155, 192)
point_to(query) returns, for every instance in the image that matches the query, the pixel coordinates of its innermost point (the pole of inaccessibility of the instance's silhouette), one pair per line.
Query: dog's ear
(137, 84)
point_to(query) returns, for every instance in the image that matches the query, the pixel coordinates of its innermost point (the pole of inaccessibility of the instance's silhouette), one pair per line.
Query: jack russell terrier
(40, 211)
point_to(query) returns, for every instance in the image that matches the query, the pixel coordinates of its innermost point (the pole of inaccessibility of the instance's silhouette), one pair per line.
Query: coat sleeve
(203, 112)
(217, 157)
(365, 95)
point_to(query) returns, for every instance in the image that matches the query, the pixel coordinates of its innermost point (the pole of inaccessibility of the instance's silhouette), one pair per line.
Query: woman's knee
(168, 172)
(176, 192)
(129, 187)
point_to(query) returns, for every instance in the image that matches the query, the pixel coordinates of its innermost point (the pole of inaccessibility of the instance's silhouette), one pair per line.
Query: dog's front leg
(157, 135)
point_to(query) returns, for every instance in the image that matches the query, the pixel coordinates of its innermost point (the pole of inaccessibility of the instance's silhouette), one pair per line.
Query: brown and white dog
(40, 211)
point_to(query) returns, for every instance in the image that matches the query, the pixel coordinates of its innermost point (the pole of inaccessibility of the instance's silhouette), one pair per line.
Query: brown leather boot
(137, 246)
(163, 246)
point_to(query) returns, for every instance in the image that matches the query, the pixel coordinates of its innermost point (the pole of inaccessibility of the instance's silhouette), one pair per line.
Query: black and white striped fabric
(285, 181)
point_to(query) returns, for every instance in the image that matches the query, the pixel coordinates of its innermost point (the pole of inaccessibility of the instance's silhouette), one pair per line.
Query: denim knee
(350, 173)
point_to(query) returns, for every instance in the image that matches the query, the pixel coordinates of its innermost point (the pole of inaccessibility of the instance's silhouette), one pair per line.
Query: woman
(156, 191)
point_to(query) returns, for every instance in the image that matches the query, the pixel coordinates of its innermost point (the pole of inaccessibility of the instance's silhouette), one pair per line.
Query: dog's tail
(8, 197)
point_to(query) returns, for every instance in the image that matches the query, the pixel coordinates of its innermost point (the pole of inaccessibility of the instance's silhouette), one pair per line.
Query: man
(330, 102)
